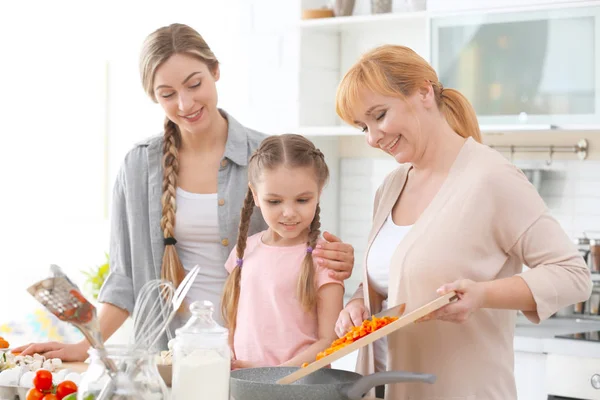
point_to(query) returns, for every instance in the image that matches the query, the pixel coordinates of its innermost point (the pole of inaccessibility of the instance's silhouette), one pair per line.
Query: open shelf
(350, 22)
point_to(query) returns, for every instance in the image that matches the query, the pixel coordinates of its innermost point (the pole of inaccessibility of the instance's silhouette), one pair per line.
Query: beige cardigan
(485, 222)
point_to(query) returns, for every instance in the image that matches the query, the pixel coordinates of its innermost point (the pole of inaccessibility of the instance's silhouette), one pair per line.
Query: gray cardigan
(136, 239)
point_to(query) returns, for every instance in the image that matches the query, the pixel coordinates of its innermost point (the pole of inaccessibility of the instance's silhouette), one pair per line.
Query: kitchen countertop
(540, 338)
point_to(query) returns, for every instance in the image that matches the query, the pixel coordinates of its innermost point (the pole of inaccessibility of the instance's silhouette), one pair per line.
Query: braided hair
(292, 151)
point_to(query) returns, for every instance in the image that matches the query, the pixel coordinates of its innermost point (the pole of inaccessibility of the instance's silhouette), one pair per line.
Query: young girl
(279, 306)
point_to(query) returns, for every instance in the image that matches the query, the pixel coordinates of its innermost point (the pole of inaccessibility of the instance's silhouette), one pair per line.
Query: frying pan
(324, 384)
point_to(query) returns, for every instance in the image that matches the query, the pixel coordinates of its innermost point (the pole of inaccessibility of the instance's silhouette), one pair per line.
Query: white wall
(72, 105)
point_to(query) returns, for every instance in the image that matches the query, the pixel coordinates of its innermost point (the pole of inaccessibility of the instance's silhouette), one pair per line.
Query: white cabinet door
(573, 377)
(530, 375)
(517, 68)
(455, 5)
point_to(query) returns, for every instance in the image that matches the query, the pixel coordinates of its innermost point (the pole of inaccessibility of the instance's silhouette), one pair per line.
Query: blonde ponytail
(398, 71)
(460, 114)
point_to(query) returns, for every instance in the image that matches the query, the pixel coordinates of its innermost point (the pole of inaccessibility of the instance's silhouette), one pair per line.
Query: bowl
(166, 373)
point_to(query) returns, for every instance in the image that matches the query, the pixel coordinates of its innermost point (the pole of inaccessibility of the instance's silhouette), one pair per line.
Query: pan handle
(357, 390)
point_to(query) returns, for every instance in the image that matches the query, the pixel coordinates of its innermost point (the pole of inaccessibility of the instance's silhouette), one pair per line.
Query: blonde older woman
(455, 215)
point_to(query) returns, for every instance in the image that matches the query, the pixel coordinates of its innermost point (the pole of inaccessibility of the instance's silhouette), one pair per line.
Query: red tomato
(43, 379)
(34, 394)
(64, 388)
(50, 397)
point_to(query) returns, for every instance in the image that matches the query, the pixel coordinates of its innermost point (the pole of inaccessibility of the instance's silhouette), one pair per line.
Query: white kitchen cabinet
(530, 375)
(528, 65)
(573, 377)
(523, 67)
(456, 5)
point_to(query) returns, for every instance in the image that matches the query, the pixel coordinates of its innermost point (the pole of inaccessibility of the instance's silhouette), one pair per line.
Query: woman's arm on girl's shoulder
(329, 304)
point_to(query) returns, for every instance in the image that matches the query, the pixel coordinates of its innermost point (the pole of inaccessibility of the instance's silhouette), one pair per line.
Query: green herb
(95, 277)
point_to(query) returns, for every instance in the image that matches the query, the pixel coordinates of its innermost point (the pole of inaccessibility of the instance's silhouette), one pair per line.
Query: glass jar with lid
(136, 376)
(201, 357)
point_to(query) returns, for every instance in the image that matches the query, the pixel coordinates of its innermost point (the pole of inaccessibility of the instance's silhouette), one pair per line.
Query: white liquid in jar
(202, 374)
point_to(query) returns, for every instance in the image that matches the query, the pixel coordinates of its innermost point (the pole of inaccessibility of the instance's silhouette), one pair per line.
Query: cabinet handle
(595, 381)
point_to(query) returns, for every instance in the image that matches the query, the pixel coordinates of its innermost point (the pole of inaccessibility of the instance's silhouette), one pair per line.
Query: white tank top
(380, 254)
(199, 242)
(378, 270)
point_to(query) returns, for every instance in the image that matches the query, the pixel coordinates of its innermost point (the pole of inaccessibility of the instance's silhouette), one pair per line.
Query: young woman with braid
(280, 307)
(178, 195)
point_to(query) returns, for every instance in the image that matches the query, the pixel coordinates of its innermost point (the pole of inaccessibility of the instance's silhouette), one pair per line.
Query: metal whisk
(156, 306)
(152, 309)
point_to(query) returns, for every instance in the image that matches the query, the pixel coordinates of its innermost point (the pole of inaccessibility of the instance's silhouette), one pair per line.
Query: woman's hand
(336, 255)
(66, 352)
(471, 297)
(353, 314)
(240, 364)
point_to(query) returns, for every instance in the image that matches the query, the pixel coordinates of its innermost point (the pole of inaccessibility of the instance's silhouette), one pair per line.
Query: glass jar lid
(201, 320)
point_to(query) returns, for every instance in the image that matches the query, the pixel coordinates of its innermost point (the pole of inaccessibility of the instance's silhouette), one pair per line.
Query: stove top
(591, 336)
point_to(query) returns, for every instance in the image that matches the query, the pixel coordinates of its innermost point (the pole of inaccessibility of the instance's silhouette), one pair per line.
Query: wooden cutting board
(78, 367)
(370, 338)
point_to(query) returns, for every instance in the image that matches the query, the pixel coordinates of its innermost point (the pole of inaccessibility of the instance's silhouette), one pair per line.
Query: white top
(378, 269)
(199, 242)
(384, 245)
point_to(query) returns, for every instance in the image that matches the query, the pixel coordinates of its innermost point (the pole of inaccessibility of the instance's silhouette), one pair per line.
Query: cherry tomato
(50, 397)
(65, 388)
(43, 380)
(34, 394)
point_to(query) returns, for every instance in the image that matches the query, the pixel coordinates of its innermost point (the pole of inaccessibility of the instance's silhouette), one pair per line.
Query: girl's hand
(336, 255)
(240, 364)
(471, 296)
(353, 314)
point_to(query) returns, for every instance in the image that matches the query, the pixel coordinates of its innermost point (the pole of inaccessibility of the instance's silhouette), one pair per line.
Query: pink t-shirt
(272, 326)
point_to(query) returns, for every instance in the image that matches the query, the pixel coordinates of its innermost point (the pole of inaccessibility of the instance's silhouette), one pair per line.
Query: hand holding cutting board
(402, 321)
(470, 298)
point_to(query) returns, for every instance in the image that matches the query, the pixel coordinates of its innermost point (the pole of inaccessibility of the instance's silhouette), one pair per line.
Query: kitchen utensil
(63, 299)
(160, 312)
(152, 308)
(325, 384)
(156, 306)
(182, 290)
(370, 338)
